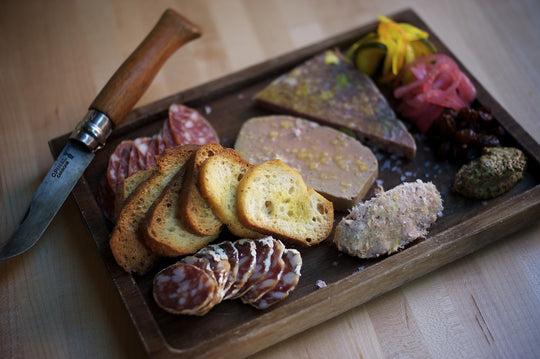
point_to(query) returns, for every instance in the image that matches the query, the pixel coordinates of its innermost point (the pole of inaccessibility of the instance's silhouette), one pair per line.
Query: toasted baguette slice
(218, 180)
(273, 199)
(125, 188)
(164, 232)
(195, 212)
(127, 243)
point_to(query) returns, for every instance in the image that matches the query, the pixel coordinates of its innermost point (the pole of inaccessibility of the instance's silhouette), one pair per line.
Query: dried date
(459, 136)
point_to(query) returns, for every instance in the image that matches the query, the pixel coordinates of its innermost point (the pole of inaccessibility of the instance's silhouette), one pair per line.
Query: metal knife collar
(93, 130)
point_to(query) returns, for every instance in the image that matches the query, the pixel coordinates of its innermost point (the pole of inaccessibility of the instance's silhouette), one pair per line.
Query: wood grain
(58, 301)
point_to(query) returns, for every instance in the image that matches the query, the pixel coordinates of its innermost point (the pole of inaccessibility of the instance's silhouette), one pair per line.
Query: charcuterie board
(234, 329)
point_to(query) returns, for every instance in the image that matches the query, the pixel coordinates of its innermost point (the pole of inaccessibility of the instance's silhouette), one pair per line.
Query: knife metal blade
(108, 109)
(49, 197)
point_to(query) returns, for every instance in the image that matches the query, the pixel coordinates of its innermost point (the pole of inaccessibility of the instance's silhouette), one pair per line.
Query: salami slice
(117, 168)
(184, 126)
(247, 253)
(166, 133)
(153, 151)
(131, 156)
(288, 281)
(271, 278)
(232, 255)
(261, 272)
(264, 248)
(183, 289)
(123, 168)
(133, 163)
(204, 264)
(219, 264)
(159, 140)
(189, 127)
(144, 148)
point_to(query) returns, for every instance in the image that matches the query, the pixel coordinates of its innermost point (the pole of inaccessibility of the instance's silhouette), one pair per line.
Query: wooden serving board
(237, 330)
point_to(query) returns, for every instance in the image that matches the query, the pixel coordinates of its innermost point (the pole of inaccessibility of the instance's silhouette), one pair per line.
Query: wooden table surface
(57, 301)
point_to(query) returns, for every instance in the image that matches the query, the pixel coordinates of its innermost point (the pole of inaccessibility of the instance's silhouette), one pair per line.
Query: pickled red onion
(429, 84)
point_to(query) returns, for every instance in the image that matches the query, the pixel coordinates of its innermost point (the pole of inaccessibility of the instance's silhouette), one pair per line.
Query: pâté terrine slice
(332, 163)
(329, 89)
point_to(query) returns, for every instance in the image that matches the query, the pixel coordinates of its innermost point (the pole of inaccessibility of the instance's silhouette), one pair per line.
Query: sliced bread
(218, 180)
(164, 232)
(125, 188)
(195, 212)
(273, 199)
(127, 243)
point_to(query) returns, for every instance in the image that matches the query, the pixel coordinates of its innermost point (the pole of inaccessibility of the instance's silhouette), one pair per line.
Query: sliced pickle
(368, 57)
(422, 47)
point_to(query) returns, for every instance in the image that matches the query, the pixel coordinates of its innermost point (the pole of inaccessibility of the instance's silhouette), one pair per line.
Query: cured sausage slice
(263, 269)
(133, 162)
(183, 289)
(288, 281)
(247, 253)
(184, 126)
(166, 133)
(159, 140)
(219, 263)
(271, 278)
(145, 150)
(153, 151)
(117, 168)
(264, 249)
(189, 127)
(232, 255)
(133, 155)
(204, 264)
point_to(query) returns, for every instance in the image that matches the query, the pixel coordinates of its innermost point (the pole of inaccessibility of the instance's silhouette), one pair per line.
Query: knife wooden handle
(131, 80)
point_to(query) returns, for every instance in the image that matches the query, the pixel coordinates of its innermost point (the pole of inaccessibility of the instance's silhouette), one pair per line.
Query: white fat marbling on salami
(205, 264)
(288, 281)
(168, 139)
(141, 144)
(183, 289)
(124, 161)
(144, 148)
(270, 278)
(264, 249)
(232, 255)
(118, 163)
(183, 126)
(262, 270)
(219, 263)
(188, 126)
(247, 258)
(153, 151)
(159, 142)
(133, 162)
